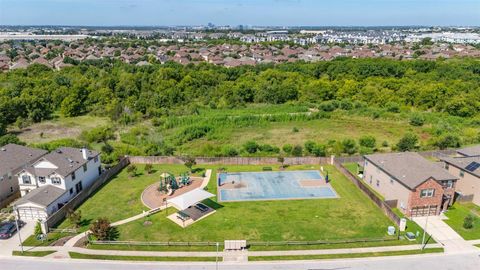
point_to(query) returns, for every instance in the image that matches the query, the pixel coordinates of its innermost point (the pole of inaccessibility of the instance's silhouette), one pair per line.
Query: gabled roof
(43, 196)
(464, 163)
(470, 151)
(409, 168)
(66, 159)
(13, 157)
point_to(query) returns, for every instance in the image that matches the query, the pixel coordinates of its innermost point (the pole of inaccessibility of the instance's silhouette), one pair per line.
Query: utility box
(403, 224)
(391, 230)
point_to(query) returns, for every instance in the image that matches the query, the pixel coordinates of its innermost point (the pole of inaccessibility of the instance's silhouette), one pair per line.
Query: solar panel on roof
(472, 166)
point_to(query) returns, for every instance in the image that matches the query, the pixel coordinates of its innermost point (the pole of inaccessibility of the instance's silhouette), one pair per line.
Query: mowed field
(352, 215)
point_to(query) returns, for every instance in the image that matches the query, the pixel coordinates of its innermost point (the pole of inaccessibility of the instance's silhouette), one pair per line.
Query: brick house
(416, 186)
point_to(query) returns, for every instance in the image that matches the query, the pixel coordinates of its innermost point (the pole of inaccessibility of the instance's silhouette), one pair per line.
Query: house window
(426, 193)
(378, 183)
(41, 179)
(26, 179)
(446, 166)
(11, 189)
(370, 179)
(95, 159)
(366, 163)
(391, 181)
(73, 176)
(449, 184)
(462, 174)
(56, 180)
(85, 167)
(71, 190)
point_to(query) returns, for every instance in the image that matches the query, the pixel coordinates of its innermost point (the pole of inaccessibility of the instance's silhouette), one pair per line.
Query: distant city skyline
(241, 12)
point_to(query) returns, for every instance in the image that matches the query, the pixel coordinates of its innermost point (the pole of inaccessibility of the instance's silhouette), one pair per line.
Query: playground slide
(169, 190)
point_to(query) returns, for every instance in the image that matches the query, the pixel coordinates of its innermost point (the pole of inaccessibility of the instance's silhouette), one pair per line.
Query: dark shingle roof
(44, 195)
(470, 151)
(409, 168)
(66, 159)
(13, 156)
(463, 162)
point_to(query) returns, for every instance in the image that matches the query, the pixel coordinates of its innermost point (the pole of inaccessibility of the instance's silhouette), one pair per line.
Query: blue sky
(234, 12)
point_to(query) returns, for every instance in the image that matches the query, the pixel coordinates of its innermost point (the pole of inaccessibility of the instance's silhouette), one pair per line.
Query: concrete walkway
(228, 254)
(443, 234)
(72, 241)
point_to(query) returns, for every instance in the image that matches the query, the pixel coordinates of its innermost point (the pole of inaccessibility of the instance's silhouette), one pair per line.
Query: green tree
(408, 142)
(189, 162)
(103, 231)
(349, 146)
(75, 217)
(132, 170)
(251, 147)
(468, 221)
(297, 151)
(417, 120)
(368, 141)
(148, 168)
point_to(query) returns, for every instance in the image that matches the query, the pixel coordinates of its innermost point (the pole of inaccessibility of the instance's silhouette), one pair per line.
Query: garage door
(424, 211)
(32, 213)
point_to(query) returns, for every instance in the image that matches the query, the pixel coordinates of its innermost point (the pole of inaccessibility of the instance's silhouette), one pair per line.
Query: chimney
(84, 153)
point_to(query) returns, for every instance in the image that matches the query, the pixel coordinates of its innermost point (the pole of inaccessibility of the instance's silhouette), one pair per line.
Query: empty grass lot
(350, 216)
(457, 213)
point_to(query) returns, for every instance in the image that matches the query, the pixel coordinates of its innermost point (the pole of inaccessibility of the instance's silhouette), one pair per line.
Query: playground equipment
(169, 183)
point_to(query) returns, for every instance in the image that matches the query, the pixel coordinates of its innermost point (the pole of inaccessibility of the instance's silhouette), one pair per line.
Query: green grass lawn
(457, 213)
(33, 253)
(341, 256)
(353, 168)
(351, 216)
(75, 255)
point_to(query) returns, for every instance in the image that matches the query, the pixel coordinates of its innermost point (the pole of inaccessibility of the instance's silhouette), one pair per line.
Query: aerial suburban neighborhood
(239, 135)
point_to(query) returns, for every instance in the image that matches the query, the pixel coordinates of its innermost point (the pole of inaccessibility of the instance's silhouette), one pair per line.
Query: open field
(457, 213)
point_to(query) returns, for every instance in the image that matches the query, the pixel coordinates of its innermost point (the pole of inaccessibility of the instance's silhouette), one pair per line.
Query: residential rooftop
(409, 168)
(14, 156)
(469, 164)
(470, 151)
(43, 196)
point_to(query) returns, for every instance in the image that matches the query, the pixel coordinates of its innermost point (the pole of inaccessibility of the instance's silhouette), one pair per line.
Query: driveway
(6, 246)
(443, 234)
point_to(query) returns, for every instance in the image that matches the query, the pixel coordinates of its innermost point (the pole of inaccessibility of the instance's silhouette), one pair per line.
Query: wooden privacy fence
(230, 160)
(58, 216)
(380, 203)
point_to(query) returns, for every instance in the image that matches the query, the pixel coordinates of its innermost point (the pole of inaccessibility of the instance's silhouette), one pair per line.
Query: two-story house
(416, 186)
(13, 158)
(466, 166)
(54, 179)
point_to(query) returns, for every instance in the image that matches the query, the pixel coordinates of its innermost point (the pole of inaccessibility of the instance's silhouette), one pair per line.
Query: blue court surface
(284, 185)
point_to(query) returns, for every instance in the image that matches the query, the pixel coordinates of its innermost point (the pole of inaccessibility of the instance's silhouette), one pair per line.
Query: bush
(393, 107)
(468, 221)
(75, 217)
(408, 142)
(132, 170)
(102, 230)
(229, 151)
(53, 145)
(287, 148)
(251, 147)
(295, 130)
(349, 146)
(148, 168)
(417, 120)
(447, 141)
(268, 148)
(10, 138)
(297, 151)
(309, 146)
(319, 150)
(384, 144)
(367, 141)
(38, 229)
(98, 134)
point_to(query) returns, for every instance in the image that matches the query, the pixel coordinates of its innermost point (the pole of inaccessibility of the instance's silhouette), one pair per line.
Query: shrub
(132, 170)
(107, 148)
(448, 140)
(349, 146)
(408, 142)
(251, 147)
(417, 120)
(393, 107)
(38, 229)
(295, 130)
(287, 148)
(102, 230)
(384, 144)
(309, 146)
(297, 151)
(229, 151)
(98, 134)
(53, 145)
(319, 150)
(468, 221)
(75, 217)
(10, 138)
(367, 141)
(148, 168)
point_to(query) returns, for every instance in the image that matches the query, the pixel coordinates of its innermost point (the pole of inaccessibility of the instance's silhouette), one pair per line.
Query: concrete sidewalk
(65, 249)
(443, 234)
